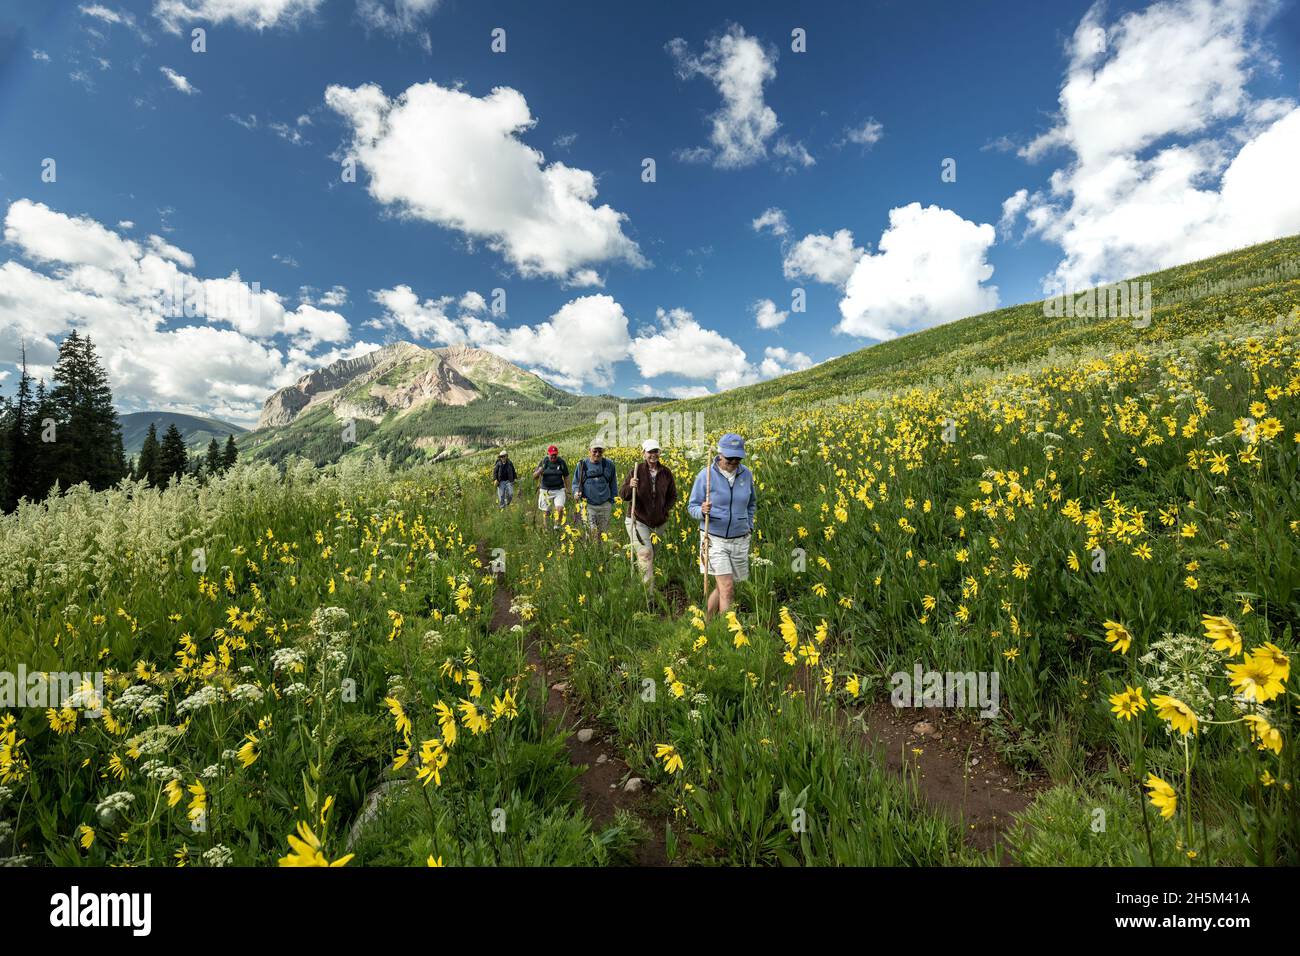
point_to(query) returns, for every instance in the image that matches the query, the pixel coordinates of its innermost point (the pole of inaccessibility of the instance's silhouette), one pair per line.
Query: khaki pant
(642, 538)
(598, 517)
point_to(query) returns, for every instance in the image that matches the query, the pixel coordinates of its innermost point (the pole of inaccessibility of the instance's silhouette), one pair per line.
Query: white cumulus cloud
(443, 156)
(930, 269)
(767, 315)
(828, 259)
(177, 81)
(1170, 156)
(739, 66)
(253, 14)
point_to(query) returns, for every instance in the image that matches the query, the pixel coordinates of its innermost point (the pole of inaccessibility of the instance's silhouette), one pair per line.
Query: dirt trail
(957, 774)
(604, 773)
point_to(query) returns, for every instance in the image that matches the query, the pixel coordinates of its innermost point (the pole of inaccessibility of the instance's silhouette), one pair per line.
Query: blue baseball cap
(731, 445)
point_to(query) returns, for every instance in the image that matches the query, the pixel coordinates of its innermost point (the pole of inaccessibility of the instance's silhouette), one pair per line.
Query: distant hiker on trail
(594, 482)
(723, 500)
(504, 477)
(552, 471)
(655, 492)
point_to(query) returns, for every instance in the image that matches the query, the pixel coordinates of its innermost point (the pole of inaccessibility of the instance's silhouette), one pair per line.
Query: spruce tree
(89, 446)
(6, 412)
(173, 459)
(212, 461)
(231, 453)
(20, 414)
(42, 445)
(146, 467)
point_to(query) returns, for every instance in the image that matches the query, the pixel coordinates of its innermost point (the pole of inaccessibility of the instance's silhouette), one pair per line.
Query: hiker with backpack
(551, 474)
(595, 481)
(723, 500)
(504, 477)
(650, 487)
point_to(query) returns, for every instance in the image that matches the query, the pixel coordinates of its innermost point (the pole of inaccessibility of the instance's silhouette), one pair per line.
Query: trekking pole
(708, 480)
(636, 537)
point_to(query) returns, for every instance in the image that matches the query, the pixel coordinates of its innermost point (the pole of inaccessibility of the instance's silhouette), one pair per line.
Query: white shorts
(727, 556)
(547, 499)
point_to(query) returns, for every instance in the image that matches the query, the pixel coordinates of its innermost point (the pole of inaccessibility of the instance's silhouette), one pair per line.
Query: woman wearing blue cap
(723, 500)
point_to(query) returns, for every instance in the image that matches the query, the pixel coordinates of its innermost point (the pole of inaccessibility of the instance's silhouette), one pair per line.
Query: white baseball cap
(649, 445)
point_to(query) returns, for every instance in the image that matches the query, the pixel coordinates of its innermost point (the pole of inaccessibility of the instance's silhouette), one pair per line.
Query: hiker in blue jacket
(723, 500)
(595, 481)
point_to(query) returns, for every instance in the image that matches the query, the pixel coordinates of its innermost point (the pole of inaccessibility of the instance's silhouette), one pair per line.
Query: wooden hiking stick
(708, 482)
(636, 538)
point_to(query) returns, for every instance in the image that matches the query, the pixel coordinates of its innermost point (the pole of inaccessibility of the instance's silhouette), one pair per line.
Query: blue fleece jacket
(731, 514)
(598, 483)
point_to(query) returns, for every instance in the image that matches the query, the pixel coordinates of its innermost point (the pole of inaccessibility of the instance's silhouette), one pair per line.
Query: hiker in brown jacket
(656, 492)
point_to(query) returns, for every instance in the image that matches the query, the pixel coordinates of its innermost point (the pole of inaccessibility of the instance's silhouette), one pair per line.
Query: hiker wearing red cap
(652, 491)
(552, 473)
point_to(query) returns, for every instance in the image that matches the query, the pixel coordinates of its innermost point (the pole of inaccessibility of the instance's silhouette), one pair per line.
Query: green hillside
(1256, 283)
(196, 431)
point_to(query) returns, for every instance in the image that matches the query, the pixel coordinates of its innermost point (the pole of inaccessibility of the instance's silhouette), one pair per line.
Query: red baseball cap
(552, 450)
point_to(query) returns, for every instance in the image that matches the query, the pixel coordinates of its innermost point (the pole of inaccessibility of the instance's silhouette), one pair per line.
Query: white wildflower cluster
(700, 699)
(207, 696)
(761, 562)
(114, 804)
(333, 657)
(431, 639)
(296, 689)
(84, 698)
(210, 772)
(157, 770)
(230, 755)
(219, 855)
(331, 622)
(6, 830)
(71, 611)
(154, 740)
(247, 693)
(1182, 667)
(140, 699)
(287, 658)
(516, 629)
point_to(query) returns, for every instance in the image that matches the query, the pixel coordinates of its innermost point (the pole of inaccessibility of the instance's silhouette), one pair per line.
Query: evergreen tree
(146, 467)
(212, 461)
(228, 459)
(6, 412)
(173, 459)
(42, 445)
(89, 434)
(19, 421)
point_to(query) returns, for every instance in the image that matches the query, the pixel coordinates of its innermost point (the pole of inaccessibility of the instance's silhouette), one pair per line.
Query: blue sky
(1089, 142)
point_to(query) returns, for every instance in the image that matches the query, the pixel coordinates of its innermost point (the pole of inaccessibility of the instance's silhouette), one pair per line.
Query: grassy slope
(197, 431)
(1004, 338)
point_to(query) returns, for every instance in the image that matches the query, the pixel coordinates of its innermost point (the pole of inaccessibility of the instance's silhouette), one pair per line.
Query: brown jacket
(651, 504)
